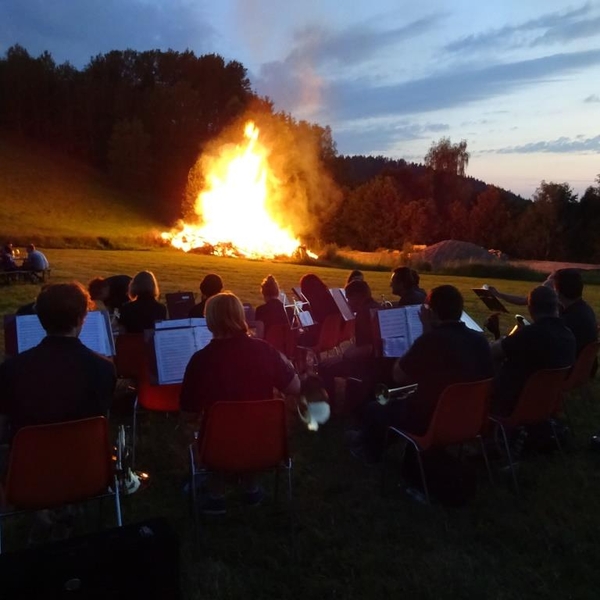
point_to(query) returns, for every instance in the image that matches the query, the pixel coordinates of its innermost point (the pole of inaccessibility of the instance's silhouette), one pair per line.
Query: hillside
(56, 201)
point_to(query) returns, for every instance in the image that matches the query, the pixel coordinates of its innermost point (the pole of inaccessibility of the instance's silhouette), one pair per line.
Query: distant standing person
(36, 260)
(210, 286)
(113, 291)
(144, 309)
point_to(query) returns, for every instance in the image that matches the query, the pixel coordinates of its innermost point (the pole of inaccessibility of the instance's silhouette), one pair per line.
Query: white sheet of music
(392, 323)
(178, 323)
(174, 348)
(414, 323)
(95, 333)
(470, 322)
(395, 347)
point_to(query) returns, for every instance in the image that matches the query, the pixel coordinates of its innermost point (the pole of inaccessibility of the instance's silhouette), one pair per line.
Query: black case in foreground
(130, 562)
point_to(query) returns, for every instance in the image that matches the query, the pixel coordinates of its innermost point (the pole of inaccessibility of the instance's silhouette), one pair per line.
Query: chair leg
(134, 435)
(509, 456)
(118, 503)
(485, 458)
(554, 434)
(423, 480)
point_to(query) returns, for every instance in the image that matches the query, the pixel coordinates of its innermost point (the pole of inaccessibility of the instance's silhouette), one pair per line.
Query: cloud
(592, 99)
(454, 87)
(559, 26)
(561, 145)
(75, 31)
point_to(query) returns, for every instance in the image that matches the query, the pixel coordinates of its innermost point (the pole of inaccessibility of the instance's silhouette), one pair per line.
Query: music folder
(398, 329)
(339, 297)
(490, 300)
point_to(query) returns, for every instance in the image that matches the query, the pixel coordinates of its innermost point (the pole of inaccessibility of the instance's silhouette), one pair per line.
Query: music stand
(490, 300)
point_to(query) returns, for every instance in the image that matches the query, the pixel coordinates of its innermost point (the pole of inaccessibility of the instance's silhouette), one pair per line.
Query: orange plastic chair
(283, 338)
(241, 437)
(130, 355)
(461, 415)
(539, 401)
(62, 463)
(581, 373)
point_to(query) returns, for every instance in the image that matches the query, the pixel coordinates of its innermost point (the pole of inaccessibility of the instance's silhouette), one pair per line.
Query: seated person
(7, 261)
(272, 312)
(357, 360)
(144, 309)
(322, 305)
(112, 291)
(36, 260)
(405, 284)
(60, 379)
(355, 275)
(233, 367)
(211, 285)
(545, 344)
(448, 352)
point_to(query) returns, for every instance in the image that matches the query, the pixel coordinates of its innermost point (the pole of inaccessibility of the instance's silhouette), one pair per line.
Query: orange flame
(233, 209)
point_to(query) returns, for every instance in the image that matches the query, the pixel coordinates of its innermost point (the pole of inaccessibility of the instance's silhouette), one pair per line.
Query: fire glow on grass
(233, 209)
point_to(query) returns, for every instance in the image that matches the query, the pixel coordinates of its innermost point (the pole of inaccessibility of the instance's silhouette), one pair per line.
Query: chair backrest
(282, 337)
(130, 355)
(51, 465)
(582, 369)
(329, 337)
(244, 437)
(161, 398)
(347, 330)
(179, 304)
(541, 397)
(461, 413)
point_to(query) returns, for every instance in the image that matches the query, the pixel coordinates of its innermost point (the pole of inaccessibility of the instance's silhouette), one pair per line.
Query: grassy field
(353, 542)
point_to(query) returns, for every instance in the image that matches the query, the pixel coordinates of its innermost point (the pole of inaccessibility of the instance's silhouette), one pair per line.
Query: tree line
(145, 117)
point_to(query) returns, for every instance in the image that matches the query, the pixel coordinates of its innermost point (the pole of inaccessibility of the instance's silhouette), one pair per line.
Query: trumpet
(384, 394)
(130, 481)
(385, 303)
(313, 404)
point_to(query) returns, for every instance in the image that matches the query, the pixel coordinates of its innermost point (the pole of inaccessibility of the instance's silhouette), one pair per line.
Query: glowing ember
(233, 210)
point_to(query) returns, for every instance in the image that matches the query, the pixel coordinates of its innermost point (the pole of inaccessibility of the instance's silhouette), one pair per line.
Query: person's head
(62, 307)
(568, 284)
(355, 275)
(144, 284)
(446, 303)
(542, 302)
(8, 249)
(269, 287)
(312, 282)
(225, 315)
(402, 280)
(212, 284)
(30, 248)
(98, 289)
(415, 277)
(357, 293)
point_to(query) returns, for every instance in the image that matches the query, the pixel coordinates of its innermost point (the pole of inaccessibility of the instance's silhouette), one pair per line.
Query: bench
(8, 277)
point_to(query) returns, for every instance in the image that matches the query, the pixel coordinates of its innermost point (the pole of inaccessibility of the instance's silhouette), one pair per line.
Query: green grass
(352, 541)
(56, 202)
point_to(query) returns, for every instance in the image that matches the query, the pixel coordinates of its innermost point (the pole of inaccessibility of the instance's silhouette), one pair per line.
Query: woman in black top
(272, 312)
(144, 308)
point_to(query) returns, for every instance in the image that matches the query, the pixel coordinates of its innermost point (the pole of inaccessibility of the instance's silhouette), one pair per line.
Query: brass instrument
(313, 403)
(129, 481)
(521, 322)
(384, 394)
(385, 303)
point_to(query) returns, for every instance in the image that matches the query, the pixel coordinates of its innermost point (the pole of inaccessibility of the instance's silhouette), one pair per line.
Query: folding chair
(153, 397)
(130, 355)
(581, 374)
(539, 401)
(461, 415)
(283, 338)
(241, 438)
(62, 463)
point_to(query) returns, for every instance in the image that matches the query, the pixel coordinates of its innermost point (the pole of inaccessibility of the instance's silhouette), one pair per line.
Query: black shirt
(363, 325)
(197, 311)
(237, 368)
(118, 291)
(579, 317)
(545, 344)
(58, 380)
(412, 297)
(449, 353)
(272, 312)
(141, 314)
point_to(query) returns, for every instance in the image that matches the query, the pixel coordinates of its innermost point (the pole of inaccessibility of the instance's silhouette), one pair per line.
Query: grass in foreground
(352, 542)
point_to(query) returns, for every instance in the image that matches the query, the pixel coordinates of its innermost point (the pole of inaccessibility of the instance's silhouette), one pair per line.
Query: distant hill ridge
(56, 201)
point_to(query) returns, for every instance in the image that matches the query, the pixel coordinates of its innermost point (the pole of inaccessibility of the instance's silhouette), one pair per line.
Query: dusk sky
(518, 79)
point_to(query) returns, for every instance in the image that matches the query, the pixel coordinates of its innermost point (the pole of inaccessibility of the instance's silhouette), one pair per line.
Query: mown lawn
(352, 542)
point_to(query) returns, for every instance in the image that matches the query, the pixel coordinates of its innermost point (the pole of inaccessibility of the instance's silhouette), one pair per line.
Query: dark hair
(568, 283)
(269, 287)
(358, 288)
(355, 275)
(405, 276)
(96, 287)
(211, 285)
(446, 302)
(542, 300)
(416, 277)
(62, 306)
(30, 247)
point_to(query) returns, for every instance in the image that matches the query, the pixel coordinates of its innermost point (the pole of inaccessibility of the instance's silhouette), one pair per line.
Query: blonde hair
(225, 315)
(144, 282)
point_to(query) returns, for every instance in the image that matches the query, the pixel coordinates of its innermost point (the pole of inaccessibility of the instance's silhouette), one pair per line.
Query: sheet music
(305, 318)
(395, 347)
(342, 303)
(413, 322)
(392, 323)
(179, 323)
(470, 322)
(202, 336)
(29, 332)
(174, 348)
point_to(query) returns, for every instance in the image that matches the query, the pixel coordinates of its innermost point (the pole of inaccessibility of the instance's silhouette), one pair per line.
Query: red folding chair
(241, 438)
(539, 401)
(461, 415)
(581, 374)
(62, 463)
(282, 337)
